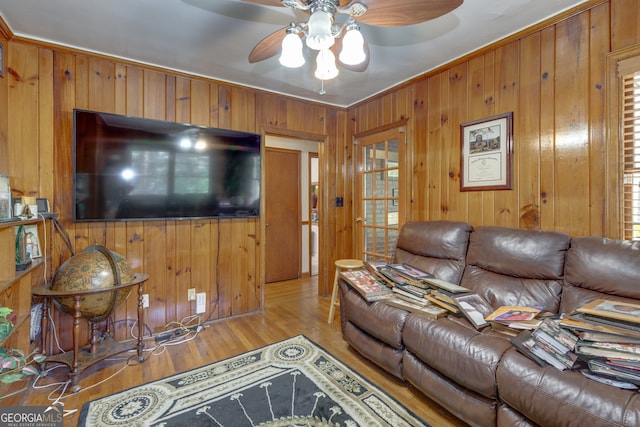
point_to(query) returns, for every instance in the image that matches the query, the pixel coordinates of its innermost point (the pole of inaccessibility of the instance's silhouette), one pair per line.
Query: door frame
(320, 139)
(405, 187)
(286, 267)
(314, 155)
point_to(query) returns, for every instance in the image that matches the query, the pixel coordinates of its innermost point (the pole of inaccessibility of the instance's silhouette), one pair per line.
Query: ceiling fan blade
(268, 46)
(337, 47)
(265, 2)
(383, 13)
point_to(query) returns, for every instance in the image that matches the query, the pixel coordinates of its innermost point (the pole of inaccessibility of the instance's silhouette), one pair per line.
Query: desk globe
(94, 268)
(89, 286)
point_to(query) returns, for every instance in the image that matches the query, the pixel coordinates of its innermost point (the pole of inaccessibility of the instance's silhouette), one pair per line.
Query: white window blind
(629, 72)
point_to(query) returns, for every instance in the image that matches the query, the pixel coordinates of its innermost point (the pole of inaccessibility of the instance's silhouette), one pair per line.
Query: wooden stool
(341, 264)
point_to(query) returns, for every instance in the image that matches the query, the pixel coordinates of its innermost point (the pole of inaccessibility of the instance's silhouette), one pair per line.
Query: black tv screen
(131, 168)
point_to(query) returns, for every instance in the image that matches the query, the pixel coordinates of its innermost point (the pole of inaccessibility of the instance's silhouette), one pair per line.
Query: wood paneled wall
(220, 257)
(553, 79)
(4, 106)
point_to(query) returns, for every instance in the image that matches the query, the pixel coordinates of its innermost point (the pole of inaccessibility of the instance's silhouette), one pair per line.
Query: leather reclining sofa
(478, 375)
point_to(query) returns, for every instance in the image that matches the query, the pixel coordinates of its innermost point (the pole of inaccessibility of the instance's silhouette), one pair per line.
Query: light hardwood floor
(291, 308)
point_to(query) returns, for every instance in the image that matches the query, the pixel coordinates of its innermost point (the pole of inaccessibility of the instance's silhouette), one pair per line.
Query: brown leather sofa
(478, 375)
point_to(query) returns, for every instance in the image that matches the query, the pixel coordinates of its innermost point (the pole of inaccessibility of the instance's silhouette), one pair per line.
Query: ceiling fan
(344, 41)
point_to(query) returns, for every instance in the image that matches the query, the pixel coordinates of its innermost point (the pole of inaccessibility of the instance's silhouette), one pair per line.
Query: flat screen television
(131, 168)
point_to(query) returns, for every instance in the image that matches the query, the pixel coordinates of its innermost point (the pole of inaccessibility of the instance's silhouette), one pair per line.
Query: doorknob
(359, 219)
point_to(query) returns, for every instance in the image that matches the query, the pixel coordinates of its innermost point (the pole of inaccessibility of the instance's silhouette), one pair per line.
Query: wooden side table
(341, 264)
(80, 359)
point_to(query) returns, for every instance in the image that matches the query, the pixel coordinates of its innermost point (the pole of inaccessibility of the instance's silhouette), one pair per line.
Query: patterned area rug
(289, 383)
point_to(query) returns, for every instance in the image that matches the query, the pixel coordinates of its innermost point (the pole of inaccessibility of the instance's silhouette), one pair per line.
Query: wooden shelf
(16, 286)
(6, 284)
(4, 224)
(22, 318)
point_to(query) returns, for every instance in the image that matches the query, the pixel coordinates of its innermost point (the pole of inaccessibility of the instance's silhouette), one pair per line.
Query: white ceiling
(213, 38)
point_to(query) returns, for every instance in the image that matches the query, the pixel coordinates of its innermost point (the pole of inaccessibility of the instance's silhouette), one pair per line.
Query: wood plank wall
(220, 257)
(553, 79)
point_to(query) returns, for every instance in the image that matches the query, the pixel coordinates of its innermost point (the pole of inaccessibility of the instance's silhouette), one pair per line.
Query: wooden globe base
(80, 359)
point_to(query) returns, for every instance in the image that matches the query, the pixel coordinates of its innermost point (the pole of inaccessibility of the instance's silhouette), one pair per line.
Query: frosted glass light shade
(353, 48)
(326, 62)
(319, 35)
(291, 55)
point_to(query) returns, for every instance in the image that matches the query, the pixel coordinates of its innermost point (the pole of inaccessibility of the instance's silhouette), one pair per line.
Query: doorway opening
(302, 219)
(314, 180)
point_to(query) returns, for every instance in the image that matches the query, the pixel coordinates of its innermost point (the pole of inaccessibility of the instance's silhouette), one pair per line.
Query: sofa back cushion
(509, 266)
(438, 247)
(598, 267)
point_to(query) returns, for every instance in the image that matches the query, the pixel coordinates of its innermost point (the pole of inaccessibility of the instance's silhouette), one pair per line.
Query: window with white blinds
(629, 72)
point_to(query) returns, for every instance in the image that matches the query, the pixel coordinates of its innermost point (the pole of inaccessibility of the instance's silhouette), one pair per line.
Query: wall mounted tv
(130, 168)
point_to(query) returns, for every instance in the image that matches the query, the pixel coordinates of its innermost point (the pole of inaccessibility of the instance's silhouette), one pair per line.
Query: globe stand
(80, 359)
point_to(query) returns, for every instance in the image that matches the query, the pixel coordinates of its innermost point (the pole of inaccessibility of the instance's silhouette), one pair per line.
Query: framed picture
(33, 241)
(486, 157)
(1, 60)
(619, 310)
(475, 308)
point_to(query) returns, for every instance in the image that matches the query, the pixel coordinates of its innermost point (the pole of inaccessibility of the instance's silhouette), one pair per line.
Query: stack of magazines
(609, 339)
(600, 339)
(549, 344)
(366, 284)
(409, 287)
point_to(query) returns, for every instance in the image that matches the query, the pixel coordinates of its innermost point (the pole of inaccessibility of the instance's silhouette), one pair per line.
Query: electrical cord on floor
(188, 329)
(180, 330)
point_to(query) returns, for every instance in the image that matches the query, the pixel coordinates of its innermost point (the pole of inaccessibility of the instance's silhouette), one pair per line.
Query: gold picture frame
(486, 153)
(627, 312)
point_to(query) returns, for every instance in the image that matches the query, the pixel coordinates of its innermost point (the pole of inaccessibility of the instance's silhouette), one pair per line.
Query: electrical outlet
(191, 295)
(145, 300)
(201, 302)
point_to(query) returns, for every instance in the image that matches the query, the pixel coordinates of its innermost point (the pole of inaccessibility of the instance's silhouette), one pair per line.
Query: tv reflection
(166, 184)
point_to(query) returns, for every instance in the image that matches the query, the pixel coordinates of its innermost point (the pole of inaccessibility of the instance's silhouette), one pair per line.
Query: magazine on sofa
(447, 286)
(366, 284)
(426, 309)
(475, 308)
(410, 272)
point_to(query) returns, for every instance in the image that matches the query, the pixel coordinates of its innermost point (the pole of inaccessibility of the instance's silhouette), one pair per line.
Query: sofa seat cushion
(551, 397)
(461, 353)
(378, 319)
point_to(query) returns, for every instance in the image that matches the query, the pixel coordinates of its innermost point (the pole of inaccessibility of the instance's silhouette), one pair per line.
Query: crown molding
(5, 31)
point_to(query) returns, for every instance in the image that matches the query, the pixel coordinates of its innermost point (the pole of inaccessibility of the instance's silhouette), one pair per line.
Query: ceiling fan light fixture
(326, 65)
(319, 35)
(291, 56)
(352, 52)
